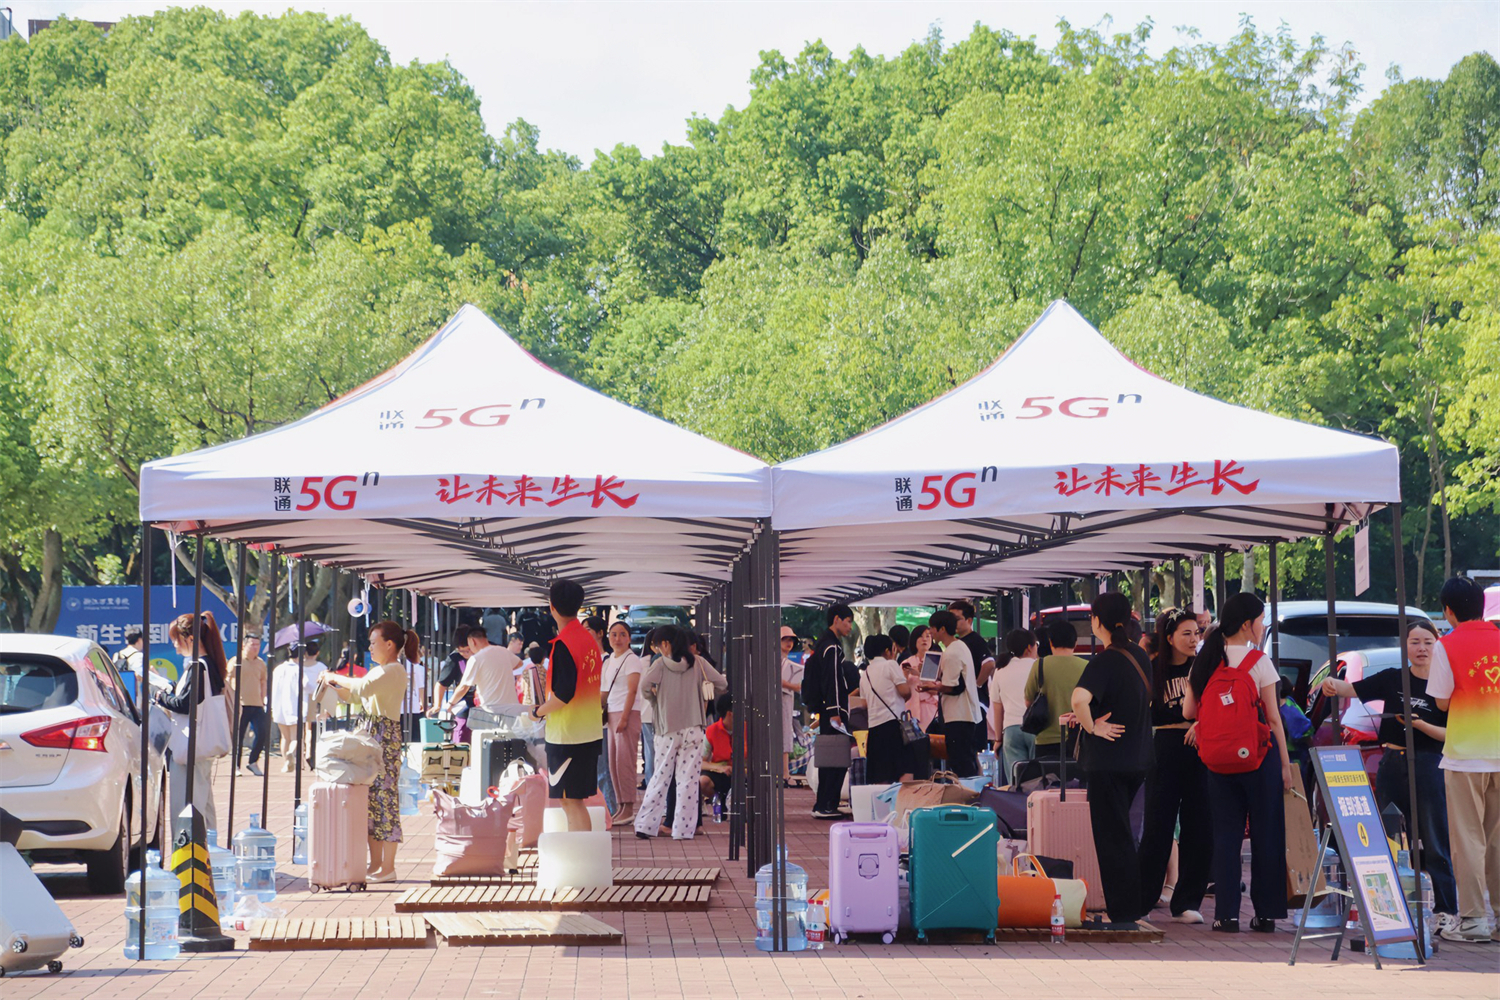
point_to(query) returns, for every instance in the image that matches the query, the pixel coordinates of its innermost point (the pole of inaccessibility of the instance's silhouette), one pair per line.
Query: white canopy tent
(1061, 460)
(473, 473)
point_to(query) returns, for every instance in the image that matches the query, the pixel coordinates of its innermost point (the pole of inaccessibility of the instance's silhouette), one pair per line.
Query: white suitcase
(34, 932)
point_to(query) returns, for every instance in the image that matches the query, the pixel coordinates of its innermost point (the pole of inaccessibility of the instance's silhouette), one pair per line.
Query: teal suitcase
(953, 870)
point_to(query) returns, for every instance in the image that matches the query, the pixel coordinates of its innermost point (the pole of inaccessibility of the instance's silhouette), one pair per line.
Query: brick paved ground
(693, 955)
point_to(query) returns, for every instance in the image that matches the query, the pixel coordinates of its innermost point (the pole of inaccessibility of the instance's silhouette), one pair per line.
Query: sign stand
(1369, 869)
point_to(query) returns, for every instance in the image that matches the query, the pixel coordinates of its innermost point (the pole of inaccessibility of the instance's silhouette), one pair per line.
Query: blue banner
(105, 614)
(1355, 816)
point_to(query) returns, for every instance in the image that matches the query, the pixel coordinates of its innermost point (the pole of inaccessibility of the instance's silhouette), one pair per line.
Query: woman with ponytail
(200, 635)
(1177, 785)
(1008, 697)
(1229, 676)
(1112, 703)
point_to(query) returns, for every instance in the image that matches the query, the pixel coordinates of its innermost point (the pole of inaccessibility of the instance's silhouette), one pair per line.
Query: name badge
(1227, 698)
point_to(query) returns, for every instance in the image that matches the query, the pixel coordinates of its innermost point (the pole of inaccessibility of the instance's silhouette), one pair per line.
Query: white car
(70, 758)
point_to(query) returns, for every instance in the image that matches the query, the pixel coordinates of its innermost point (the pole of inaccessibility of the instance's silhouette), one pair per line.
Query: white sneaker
(1188, 917)
(1443, 921)
(1470, 930)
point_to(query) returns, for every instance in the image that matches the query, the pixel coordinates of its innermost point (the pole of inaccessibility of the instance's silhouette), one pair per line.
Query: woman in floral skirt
(379, 692)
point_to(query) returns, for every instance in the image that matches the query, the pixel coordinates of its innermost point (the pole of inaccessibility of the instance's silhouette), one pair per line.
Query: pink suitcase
(338, 826)
(1059, 828)
(862, 886)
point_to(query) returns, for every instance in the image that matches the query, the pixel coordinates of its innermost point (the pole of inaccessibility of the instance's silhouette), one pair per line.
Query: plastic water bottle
(410, 788)
(817, 921)
(226, 872)
(796, 906)
(718, 810)
(989, 766)
(255, 853)
(160, 911)
(1415, 898)
(299, 834)
(1059, 923)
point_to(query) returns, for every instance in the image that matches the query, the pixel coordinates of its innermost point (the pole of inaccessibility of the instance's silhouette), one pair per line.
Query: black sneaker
(1230, 926)
(820, 814)
(1262, 925)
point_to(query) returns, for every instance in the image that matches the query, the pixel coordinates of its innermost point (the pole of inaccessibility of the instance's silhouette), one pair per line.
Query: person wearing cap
(791, 684)
(247, 674)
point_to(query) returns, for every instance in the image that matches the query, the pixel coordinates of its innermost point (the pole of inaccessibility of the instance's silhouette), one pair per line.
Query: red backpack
(1233, 735)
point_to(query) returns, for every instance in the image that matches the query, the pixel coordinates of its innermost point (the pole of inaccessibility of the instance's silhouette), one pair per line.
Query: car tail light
(75, 734)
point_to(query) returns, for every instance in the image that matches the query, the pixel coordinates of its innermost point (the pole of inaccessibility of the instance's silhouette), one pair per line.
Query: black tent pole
(195, 685)
(143, 692)
(239, 674)
(302, 740)
(1275, 593)
(265, 781)
(1412, 826)
(1330, 585)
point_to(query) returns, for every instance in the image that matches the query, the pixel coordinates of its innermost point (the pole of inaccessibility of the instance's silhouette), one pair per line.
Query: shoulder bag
(910, 731)
(1038, 715)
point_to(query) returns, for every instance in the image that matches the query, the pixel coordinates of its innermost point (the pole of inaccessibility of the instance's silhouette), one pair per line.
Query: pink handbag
(470, 840)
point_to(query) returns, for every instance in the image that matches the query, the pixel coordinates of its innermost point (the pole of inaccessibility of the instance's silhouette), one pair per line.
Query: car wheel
(107, 868)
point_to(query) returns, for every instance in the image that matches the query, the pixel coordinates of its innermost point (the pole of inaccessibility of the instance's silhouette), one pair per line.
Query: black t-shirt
(449, 676)
(1167, 710)
(1118, 691)
(980, 650)
(1386, 686)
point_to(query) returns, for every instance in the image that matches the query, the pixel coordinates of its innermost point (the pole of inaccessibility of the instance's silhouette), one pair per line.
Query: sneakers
(1469, 930)
(1443, 921)
(1187, 917)
(827, 814)
(1227, 926)
(254, 769)
(1261, 925)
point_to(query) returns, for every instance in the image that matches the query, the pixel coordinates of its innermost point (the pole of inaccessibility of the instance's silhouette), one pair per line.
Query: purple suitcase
(862, 887)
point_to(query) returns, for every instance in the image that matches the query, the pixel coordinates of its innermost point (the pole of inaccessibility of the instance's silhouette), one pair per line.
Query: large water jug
(255, 853)
(225, 869)
(1327, 911)
(299, 834)
(161, 911)
(796, 906)
(1415, 899)
(989, 766)
(410, 788)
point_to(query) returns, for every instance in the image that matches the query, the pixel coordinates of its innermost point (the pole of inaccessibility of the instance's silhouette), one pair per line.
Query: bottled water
(796, 906)
(160, 911)
(255, 853)
(1414, 899)
(225, 869)
(410, 788)
(299, 834)
(718, 810)
(1059, 923)
(989, 766)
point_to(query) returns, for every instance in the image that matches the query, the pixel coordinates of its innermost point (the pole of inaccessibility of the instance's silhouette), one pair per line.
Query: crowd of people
(1193, 717)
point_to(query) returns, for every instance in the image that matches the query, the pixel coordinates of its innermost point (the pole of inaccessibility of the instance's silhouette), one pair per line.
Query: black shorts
(573, 769)
(720, 781)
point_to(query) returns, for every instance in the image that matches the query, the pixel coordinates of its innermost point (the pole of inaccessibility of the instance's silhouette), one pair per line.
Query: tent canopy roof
(476, 474)
(1062, 459)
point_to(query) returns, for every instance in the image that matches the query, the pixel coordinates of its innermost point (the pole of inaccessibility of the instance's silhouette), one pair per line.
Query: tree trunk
(48, 603)
(208, 583)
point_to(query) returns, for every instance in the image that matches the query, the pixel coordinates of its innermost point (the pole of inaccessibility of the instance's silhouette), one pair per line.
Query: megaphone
(358, 608)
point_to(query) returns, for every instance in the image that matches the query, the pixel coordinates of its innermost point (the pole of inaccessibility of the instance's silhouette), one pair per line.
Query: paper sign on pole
(1362, 559)
(1026, 608)
(1197, 604)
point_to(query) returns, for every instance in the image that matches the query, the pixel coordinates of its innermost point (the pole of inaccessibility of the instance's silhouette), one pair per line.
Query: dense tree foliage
(211, 225)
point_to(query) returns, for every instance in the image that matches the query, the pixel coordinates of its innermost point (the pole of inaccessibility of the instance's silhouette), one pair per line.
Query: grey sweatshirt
(672, 688)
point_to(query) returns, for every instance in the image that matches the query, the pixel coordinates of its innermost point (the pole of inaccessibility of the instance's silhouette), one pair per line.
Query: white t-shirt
(956, 662)
(882, 675)
(1263, 673)
(614, 681)
(492, 674)
(1008, 689)
(1440, 685)
(284, 692)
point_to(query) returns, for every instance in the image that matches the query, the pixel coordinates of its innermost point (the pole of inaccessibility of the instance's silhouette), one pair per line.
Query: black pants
(1432, 817)
(1110, 795)
(1176, 792)
(1255, 795)
(253, 716)
(963, 739)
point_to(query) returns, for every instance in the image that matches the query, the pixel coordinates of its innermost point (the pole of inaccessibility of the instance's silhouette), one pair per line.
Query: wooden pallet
(623, 876)
(523, 928)
(635, 898)
(296, 934)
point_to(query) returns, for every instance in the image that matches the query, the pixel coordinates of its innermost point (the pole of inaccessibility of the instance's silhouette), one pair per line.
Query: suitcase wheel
(76, 941)
(316, 888)
(18, 946)
(921, 937)
(989, 938)
(887, 937)
(54, 966)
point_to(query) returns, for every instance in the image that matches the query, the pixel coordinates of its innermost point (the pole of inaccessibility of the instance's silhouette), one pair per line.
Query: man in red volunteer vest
(575, 726)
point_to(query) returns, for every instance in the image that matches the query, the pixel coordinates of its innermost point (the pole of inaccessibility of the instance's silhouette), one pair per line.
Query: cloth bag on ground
(1026, 895)
(348, 758)
(470, 840)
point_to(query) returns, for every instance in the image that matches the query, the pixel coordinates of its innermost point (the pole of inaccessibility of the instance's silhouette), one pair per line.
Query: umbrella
(289, 634)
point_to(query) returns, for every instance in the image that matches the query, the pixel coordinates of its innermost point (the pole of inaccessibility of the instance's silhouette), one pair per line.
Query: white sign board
(1197, 604)
(1362, 559)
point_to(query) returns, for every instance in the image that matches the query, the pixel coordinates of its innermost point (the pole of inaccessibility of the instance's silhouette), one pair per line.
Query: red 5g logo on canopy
(1081, 407)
